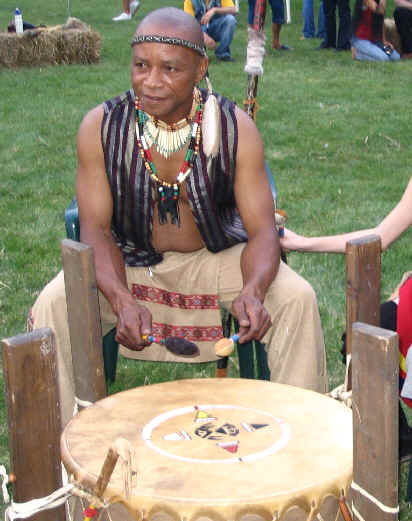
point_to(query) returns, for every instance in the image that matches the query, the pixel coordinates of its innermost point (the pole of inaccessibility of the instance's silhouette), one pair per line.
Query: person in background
(403, 21)
(218, 22)
(278, 19)
(343, 41)
(129, 8)
(368, 32)
(396, 313)
(309, 30)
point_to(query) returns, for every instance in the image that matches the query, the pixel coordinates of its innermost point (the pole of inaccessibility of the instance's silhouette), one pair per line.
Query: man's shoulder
(223, 100)
(123, 99)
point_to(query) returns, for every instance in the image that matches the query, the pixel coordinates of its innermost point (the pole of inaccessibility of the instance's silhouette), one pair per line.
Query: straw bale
(73, 42)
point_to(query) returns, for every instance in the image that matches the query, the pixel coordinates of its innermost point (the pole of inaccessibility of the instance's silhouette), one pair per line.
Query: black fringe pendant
(168, 203)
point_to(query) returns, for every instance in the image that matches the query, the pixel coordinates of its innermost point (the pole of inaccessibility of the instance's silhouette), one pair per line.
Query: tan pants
(294, 343)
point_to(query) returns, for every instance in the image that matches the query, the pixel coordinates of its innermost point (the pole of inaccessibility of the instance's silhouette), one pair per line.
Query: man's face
(163, 77)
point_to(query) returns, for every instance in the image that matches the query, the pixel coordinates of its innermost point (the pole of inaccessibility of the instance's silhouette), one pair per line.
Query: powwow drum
(218, 449)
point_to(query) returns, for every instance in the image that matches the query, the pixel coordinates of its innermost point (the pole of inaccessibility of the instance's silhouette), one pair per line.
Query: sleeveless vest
(209, 186)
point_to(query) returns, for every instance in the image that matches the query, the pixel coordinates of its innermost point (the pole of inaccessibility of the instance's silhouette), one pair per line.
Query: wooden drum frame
(218, 449)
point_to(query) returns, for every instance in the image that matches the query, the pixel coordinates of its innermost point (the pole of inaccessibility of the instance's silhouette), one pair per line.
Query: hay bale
(392, 35)
(73, 42)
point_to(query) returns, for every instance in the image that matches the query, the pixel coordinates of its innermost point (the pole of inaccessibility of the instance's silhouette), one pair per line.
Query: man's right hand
(133, 321)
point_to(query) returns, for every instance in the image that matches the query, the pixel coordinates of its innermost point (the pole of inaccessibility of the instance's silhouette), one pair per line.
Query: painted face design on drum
(209, 431)
(226, 430)
(212, 429)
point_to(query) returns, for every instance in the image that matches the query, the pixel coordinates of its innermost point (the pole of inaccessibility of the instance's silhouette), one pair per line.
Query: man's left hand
(252, 316)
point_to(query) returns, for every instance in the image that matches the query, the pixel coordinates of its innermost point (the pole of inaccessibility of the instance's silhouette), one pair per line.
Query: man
(218, 23)
(169, 221)
(403, 21)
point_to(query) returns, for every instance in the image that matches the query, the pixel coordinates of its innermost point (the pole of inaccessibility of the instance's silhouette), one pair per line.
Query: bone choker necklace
(170, 138)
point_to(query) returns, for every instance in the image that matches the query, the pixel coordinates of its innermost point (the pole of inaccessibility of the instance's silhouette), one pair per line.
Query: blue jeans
(309, 20)
(277, 7)
(221, 29)
(369, 51)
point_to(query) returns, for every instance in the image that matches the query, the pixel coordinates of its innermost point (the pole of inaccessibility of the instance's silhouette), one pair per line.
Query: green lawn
(336, 135)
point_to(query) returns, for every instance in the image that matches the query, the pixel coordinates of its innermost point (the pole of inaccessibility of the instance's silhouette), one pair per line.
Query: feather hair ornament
(211, 123)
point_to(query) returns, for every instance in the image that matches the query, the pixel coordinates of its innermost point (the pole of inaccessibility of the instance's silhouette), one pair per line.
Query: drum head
(233, 447)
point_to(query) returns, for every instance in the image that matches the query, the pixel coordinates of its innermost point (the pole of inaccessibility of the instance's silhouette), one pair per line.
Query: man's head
(168, 60)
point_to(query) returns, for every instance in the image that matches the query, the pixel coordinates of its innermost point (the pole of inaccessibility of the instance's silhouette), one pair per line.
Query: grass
(336, 135)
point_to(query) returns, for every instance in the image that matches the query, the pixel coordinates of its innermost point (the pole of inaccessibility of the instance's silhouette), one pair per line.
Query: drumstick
(177, 346)
(102, 481)
(225, 346)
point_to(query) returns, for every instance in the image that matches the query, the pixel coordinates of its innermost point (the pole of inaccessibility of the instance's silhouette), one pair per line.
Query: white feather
(211, 126)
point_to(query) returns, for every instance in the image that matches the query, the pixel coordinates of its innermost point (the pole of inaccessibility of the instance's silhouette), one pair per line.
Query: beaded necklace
(168, 193)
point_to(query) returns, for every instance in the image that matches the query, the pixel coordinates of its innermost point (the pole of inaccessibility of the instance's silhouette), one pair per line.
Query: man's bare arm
(261, 256)
(95, 212)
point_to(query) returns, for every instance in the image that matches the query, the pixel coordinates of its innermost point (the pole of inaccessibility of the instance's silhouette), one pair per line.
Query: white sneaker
(122, 16)
(134, 6)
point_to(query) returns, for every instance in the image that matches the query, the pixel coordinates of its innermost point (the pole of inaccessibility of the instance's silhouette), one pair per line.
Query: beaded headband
(170, 40)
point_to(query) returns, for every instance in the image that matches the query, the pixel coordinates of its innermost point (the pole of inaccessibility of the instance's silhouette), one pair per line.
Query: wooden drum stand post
(363, 283)
(84, 321)
(375, 423)
(29, 366)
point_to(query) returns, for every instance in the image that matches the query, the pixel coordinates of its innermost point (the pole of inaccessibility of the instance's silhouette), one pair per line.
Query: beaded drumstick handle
(225, 346)
(102, 481)
(151, 338)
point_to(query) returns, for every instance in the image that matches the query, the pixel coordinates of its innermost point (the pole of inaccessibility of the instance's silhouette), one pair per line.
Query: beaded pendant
(168, 193)
(168, 203)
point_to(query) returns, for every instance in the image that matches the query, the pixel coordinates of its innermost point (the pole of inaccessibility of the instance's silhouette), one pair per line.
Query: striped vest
(209, 186)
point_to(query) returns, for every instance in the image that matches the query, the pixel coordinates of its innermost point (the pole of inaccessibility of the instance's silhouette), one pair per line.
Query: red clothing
(364, 29)
(404, 326)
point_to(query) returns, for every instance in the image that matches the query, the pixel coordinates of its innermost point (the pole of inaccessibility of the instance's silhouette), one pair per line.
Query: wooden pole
(375, 373)
(363, 283)
(30, 375)
(84, 320)
(251, 93)
(250, 104)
